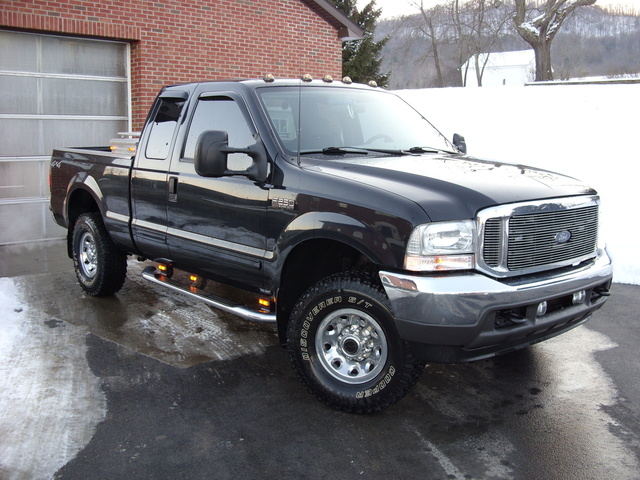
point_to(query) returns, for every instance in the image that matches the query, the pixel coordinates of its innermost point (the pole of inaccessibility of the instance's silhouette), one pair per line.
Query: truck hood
(454, 186)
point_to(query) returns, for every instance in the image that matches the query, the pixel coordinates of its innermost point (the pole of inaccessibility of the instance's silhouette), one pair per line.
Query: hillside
(593, 42)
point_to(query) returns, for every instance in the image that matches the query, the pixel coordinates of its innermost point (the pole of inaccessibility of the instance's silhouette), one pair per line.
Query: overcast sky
(396, 8)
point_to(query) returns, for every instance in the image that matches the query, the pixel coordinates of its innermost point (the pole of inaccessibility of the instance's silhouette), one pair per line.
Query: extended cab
(375, 244)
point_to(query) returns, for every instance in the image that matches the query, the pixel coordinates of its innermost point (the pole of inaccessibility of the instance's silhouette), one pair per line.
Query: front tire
(100, 266)
(343, 344)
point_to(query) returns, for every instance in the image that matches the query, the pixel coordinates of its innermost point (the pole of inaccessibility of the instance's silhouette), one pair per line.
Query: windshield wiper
(336, 151)
(345, 150)
(422, 150)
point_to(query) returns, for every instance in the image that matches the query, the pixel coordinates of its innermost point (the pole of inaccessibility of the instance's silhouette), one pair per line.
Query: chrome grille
(492, 241)
(526, 238)
(533, 239)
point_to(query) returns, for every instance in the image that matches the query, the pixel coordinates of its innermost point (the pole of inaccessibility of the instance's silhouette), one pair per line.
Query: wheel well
(79, 202)
(307, 264)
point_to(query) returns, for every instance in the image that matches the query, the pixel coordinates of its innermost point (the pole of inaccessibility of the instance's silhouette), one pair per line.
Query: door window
(163, 128)
(221, 113)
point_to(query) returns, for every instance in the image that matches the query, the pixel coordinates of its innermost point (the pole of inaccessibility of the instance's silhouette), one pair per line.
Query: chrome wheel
(351, 346)
(88, 255)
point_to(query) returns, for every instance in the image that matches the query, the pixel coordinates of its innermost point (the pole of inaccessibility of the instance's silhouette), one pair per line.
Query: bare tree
(429, 24)
(469, 27)
(593, 41)
(465, 51)
(480, 24)
(538, 25)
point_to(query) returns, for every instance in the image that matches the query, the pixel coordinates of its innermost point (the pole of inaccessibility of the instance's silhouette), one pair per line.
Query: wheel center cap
(350, 346)
(355, 343)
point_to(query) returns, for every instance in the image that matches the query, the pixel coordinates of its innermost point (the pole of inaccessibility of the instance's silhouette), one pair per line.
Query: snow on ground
(51, 402)
(586, 131)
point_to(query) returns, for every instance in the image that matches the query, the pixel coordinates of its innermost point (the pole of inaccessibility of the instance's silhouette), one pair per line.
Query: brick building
(75, 72)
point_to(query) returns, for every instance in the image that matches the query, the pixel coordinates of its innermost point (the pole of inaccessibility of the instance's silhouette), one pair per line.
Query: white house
(500, 68)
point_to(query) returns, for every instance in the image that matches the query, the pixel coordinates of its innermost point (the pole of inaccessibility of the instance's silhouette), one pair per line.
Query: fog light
(542, 309)
(579, 297)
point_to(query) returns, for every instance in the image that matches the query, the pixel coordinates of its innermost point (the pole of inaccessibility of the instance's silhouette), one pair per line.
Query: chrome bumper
(468, 316)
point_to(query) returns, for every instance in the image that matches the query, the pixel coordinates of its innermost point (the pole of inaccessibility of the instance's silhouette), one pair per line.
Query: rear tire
(343, 344)
(100, 266)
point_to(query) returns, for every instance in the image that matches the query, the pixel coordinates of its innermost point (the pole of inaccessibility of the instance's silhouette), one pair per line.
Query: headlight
(441, 246)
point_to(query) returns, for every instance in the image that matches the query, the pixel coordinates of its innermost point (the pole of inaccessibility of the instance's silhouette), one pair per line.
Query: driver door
(218, 225)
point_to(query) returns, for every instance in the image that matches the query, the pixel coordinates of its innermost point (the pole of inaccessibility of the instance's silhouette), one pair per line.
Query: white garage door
(54, 92)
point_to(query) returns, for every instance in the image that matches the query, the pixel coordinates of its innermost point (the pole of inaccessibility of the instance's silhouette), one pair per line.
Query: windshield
(328, 119)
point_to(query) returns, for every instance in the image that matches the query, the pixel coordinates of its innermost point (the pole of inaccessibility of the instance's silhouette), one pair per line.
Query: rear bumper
(469, 316)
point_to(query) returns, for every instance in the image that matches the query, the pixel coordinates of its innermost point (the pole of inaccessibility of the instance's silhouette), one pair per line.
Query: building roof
(347, 29)
(508, 59)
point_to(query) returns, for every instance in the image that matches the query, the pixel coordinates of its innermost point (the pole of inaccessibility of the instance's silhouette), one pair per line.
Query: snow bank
(585, 131)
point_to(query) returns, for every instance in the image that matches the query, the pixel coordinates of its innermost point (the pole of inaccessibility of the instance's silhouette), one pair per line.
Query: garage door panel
(82, 57)
(61, 96)
(20, 179)
(26, 101)
(45, 135)
(74, 133)
(18, 51)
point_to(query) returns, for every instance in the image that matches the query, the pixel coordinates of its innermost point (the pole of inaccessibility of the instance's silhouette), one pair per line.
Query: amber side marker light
(197, 282)
(166, 270)
(265, 305)
(115, 148)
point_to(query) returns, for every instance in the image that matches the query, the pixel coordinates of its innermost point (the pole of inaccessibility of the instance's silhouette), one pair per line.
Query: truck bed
(73, 175)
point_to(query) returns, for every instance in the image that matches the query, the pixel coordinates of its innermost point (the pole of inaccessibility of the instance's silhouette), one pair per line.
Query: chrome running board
(152, 276)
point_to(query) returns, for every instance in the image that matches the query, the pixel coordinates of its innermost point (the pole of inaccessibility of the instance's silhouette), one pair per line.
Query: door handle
(173, 189)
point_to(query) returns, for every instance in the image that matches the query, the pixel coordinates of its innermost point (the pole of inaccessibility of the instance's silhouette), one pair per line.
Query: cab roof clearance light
(307, 78)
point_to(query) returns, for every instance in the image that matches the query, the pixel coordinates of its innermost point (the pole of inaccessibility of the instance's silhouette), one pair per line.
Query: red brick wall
(174, 41)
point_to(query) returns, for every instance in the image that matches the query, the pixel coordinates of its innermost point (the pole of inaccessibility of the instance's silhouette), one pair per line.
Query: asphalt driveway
(149, 384)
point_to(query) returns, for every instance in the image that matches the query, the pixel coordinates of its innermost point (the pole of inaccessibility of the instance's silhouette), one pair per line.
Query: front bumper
(467, 316)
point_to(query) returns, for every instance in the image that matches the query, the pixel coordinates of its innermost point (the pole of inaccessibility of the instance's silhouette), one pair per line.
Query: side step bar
(150, 274)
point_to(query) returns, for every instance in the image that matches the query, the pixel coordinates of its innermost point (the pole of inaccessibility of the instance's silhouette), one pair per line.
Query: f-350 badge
(283, 203)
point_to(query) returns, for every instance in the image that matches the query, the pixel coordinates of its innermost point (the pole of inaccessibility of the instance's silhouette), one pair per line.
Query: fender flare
(341, 228)
(82, 181)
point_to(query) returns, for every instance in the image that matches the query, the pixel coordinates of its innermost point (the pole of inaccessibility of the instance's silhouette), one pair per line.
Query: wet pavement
(150, 384)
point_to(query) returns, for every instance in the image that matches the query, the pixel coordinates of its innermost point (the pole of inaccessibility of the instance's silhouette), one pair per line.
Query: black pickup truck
(372, 242)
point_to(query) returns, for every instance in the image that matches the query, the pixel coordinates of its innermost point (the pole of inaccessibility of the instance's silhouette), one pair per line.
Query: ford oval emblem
(563, 237)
